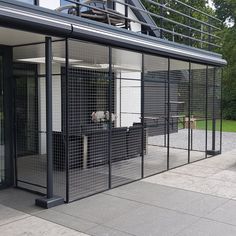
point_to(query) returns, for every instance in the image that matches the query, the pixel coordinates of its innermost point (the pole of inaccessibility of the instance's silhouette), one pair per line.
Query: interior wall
(56, 103)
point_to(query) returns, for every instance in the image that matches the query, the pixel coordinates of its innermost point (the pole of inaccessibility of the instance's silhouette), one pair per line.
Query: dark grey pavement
(196, 199)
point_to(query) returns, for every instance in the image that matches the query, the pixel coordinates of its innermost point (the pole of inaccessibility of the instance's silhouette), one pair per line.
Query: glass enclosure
(118, 116)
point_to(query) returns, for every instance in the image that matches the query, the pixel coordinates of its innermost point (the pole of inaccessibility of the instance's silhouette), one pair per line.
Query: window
(32, 2)
(64, 2)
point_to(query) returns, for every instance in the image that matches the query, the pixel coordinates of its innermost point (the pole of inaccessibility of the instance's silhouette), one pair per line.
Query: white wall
(56, 104)
(50, 4)
(136, 27)
(128, 99)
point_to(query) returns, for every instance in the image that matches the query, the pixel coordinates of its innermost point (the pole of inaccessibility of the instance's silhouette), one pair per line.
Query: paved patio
(196, 199)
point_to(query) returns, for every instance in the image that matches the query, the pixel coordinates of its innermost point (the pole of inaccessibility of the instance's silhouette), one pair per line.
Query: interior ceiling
(12, 37)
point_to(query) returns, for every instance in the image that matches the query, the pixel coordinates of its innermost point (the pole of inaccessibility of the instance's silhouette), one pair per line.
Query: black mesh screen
(88, 93)
(155, 114)
(179, 112)
(126, 135)
(118, 116)
(198, 112)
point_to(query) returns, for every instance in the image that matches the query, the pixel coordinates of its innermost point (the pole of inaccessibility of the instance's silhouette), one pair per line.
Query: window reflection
(27, 1)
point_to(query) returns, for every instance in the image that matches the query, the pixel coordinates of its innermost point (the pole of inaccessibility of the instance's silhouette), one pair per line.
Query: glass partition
(198, 112)
(126, 146)
(155, 114)
(178, 113)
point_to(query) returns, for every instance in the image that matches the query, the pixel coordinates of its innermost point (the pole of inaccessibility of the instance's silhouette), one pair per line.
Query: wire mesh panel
(214, 111)
(155, 114)
(210, 109)
(87, 115)
(126, 136)
(30, 133)
(198, 112)
(178, 112)
(59, 132)
(218, 108)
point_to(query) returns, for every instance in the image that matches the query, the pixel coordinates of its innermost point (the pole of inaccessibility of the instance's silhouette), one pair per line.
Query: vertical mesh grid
(97, 112)
(88, 92)
(179, 112)
(155, 114)
(198, 112)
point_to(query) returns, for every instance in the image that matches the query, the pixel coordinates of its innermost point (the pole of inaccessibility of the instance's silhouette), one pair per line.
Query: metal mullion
(168, 116)
(48, 53)
(67, 120)
(206, 115)
(110, 119)
(189, 112)
(221, 112)
(142, 116)
(213, 113)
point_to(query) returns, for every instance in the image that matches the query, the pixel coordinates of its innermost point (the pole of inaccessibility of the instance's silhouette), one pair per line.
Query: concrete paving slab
(8, 215)
(196, 170)
(205, 227)
(34, 226)
(20, 200)
(99, 208)
(150, 220)
(174, 180)
(105, 231)
(225, 213)
(175, 199)
(66, 220)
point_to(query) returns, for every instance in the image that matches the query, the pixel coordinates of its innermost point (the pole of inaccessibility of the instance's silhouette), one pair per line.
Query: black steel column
(50, 200)
(206, 115)
(142, 117)
(48, 53)
(168, 117)
(110, 118)
(213, 114)
(221, 110)
(67, 120)
(189, 112)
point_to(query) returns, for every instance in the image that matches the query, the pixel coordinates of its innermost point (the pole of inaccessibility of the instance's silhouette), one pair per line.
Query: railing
(171, 20)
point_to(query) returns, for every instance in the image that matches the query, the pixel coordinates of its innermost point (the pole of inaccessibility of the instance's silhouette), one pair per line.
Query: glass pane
(198, 112)
(155, 114)
(127, 126)
(30, 114)
(2, 152)
(27, 1)
(179, 111)
(88, 119)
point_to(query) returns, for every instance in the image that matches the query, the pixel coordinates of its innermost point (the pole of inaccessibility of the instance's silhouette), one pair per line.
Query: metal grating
(178, 113)
(88, 93)
(118, 116)
(155, 114)
(198, 111)
(126, 135)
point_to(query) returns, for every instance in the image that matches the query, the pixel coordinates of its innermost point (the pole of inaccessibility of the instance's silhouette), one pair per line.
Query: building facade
(96, 94)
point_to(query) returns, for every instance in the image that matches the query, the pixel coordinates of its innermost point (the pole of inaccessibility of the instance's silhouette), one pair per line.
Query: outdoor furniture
(193, 123)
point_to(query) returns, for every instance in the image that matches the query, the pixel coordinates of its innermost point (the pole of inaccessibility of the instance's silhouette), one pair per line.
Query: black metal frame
(167, 133)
